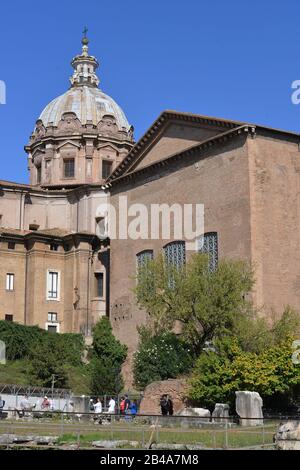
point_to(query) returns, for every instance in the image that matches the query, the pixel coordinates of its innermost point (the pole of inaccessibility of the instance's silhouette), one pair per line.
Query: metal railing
(141, 431)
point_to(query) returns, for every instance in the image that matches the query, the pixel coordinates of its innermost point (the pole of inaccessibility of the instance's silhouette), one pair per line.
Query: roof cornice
(203, 146)
(169, 115)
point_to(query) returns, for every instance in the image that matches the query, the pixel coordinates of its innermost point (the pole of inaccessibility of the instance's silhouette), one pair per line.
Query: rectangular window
(9, 317)
(11, 245)
(99, 284)
(52, 328)
(52, 317)
(53, 285)
(106, 169)
(69, 168)
(10, 281)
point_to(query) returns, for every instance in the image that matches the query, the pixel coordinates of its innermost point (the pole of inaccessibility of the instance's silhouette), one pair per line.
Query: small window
(33, 227)
(106, 169)
(11, 245)
(39, 174)
(9, 317)
(53, 247)
(10, 278)
(52, 317)
(53, 287)
(143, 258)
(99, 284)
(52, 328)
(208, 243)
(69, 168)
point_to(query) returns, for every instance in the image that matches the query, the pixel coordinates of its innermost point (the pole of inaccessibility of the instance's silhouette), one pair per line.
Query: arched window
(143, 258)
(175, 253)
(208, 243)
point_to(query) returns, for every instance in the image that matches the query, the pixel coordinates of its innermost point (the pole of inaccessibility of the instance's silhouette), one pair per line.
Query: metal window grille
(208, 243)
(175, 253)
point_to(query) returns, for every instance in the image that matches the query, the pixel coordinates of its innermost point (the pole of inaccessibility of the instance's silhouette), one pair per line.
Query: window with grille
(11, 245)
(69, 168)
(9, 317)
(143, 258)
(175, 253)
(208, 244)
(106, 169)
(10, 278)
(53, 285)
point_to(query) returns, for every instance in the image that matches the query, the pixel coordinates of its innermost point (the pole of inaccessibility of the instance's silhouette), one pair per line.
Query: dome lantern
(84, 66)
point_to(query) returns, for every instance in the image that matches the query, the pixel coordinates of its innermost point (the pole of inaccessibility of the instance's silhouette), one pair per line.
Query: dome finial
(84, 40)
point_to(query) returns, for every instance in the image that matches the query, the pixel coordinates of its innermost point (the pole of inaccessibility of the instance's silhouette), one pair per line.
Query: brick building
(57, 273)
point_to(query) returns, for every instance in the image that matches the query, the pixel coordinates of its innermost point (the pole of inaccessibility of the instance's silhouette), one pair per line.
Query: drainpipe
(26, 285)
(88, 294)
(20, 217)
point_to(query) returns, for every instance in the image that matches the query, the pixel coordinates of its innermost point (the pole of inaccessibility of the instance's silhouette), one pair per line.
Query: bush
(47, 352)
(22, 341)
(160, 357)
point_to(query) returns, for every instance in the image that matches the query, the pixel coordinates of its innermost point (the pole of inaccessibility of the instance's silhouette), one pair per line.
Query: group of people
(166, 405)
(126, 406)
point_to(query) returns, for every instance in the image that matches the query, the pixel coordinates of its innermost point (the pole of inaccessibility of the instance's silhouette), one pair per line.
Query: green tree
(47, 358)
(271, 373)
(107, 357)
(160, 357)
(206, 303)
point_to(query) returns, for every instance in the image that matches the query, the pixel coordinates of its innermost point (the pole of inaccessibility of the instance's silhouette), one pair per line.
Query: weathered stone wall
(175, 388)
(274, 169)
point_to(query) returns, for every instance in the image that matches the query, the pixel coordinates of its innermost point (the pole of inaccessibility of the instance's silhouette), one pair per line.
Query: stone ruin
(288, 436)
(249, 408)
(220, 413)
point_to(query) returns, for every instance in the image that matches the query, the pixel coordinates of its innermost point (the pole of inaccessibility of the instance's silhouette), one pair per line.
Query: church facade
(58, 273)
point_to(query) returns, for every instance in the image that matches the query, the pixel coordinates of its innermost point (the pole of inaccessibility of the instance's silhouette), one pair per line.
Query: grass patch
(15, 372)
(206, 437)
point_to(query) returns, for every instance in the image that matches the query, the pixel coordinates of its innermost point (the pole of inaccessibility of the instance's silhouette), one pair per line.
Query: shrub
(160, 357)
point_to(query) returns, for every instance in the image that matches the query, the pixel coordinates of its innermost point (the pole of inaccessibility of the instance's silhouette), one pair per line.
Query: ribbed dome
(88, 103)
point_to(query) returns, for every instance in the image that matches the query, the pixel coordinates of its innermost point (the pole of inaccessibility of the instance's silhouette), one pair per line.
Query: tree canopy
(205, 303)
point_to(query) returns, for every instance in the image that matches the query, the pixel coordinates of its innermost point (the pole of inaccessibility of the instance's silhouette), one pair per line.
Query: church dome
(89, 104)
(82, 135)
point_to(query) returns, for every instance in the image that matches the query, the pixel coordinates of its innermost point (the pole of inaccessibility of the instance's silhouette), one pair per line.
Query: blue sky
(229, 59)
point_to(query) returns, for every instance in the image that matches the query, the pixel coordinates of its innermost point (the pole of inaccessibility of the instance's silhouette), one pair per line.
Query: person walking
(122, 406)
(133, 408)
(112, 406)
